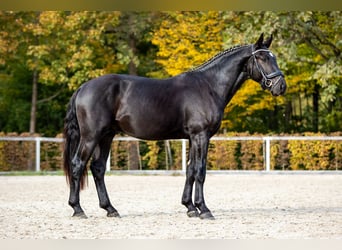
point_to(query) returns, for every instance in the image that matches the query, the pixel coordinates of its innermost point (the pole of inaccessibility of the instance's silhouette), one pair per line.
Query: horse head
(262, 67)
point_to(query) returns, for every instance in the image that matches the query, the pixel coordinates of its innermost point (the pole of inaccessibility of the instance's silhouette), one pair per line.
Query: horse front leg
(200, 150)
(199, 194)
(196, 172)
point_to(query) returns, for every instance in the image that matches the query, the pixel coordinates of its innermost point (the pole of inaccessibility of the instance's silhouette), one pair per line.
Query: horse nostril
(283, 85)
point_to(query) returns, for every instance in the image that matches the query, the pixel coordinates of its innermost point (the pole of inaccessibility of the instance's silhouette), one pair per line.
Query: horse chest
(204, 117)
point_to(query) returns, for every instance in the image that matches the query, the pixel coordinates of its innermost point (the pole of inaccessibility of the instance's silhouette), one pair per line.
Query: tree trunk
(288, 116)
(315, 103)
(168, 155)
(33, 114)
(34, 103)
(132, 68)
(134, 159)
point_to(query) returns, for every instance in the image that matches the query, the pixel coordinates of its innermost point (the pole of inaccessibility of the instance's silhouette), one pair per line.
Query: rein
(267, 78)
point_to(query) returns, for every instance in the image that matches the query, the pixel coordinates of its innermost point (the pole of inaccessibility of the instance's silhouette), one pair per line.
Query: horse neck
(225, 74)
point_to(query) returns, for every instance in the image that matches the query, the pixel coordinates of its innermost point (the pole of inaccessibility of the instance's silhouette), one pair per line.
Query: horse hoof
(80, 215)
(207, 216)
(192, 214)
(114, 214)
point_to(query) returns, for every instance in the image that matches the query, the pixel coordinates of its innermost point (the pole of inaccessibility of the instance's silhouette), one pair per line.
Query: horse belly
(149, 125)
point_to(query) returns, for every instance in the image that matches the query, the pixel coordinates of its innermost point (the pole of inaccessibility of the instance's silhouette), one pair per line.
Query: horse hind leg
(188, 188)
(78, 175)
(98, 168)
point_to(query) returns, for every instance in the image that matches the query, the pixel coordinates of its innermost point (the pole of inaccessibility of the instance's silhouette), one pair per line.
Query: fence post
(37, 139)
(183, 155)
(268, 153)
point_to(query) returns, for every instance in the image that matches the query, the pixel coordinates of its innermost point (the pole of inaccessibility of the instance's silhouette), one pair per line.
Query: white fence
(266, 145)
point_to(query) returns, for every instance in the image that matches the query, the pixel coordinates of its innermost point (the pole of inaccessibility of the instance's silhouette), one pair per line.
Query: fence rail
(265, 139)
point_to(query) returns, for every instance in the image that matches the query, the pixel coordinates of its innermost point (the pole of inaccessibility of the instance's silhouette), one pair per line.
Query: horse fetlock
(109, 208)
(73, 203)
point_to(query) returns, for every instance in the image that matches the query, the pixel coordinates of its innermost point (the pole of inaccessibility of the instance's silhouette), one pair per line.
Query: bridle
(266, 78)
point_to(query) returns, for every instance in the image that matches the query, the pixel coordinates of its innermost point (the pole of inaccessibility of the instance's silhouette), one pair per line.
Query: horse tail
(71, 136)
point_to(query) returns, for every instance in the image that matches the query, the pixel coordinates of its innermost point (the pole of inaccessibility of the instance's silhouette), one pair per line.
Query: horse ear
(268, 42)
(259, 44)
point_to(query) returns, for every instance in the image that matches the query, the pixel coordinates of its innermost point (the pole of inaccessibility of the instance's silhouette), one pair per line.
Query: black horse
(188, 106)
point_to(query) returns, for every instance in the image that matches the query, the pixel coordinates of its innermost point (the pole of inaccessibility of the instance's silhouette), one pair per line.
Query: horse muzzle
(277, 86)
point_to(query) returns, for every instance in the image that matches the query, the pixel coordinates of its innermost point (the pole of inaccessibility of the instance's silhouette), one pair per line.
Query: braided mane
(217, 56)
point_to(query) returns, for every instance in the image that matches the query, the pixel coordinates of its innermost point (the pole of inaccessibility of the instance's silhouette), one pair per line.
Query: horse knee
(200, 176)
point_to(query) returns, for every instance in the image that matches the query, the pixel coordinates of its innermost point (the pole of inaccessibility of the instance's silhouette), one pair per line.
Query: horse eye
(267, 56)
(262, 57)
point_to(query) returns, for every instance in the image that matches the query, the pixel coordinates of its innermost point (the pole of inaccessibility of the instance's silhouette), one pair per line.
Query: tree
(314, 57)
(309, 53)
(60, 49)
(12, 44)
(187, 39)
(70, 46)
(130, 39)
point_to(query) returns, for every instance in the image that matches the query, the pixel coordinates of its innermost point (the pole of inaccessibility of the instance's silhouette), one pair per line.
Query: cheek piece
(266, 82)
